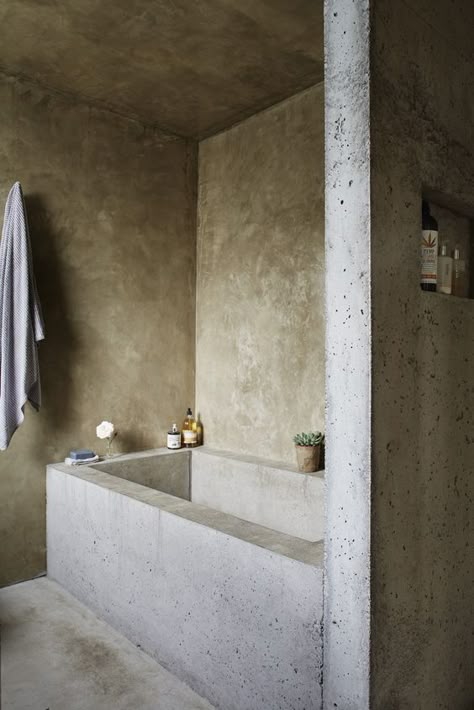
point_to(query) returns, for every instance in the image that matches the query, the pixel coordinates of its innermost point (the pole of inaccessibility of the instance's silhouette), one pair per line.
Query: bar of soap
(81, 454)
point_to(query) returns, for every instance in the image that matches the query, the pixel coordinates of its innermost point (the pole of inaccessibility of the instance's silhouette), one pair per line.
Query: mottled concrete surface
(252, 533)
(260, 285)
(348, 358)
(57, 654)
(258, 490)
(253, 489)
(168, 471)
(190, 67)
(422, 118)
(112, 210)
(240, 623)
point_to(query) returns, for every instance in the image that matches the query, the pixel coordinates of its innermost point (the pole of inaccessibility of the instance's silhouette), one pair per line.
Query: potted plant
(308, 450)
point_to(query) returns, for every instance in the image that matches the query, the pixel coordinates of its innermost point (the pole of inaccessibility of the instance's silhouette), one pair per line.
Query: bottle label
(429, 256)
(189, 436)
(174, 440)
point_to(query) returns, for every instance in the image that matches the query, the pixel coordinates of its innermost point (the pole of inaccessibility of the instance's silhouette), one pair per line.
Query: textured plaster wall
(191, 67)
(260, 284)
(112, 211)
(422, 119)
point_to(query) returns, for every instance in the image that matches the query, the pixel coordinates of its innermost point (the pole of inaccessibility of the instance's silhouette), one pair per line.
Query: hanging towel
(21, 321)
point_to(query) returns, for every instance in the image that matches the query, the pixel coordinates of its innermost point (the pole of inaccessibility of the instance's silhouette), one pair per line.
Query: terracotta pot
(308, 458)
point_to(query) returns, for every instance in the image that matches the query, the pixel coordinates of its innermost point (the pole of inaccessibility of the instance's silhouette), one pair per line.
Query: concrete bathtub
(232, 605)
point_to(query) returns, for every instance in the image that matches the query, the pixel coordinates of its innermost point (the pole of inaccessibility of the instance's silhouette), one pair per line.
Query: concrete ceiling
(191, 66)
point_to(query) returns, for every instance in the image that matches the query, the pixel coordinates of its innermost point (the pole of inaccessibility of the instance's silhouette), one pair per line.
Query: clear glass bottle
(189, 430)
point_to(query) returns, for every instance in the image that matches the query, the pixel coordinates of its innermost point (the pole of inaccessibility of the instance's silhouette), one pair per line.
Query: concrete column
(348, 356)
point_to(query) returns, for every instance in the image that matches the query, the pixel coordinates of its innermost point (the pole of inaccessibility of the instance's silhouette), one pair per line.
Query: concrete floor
(56, 655)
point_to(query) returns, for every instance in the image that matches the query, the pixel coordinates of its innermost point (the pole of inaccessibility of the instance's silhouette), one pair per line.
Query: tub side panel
(238, 623)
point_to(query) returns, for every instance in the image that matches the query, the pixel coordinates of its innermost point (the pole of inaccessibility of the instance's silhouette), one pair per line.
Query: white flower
(105, 430)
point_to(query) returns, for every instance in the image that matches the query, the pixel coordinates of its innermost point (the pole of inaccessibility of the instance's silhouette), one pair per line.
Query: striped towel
(21, 322)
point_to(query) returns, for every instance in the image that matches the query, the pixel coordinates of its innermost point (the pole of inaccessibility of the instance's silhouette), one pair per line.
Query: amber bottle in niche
(429, 249)
(189, 430)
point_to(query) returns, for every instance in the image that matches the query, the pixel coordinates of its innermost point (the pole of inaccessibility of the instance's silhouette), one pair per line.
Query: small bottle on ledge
(445, 271)
(174, 438)
(199, 430)
(189, 430)
(459, 286)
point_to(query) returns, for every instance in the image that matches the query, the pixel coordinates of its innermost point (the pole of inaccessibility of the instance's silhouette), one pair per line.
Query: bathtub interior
(253, 490)
(168, 473)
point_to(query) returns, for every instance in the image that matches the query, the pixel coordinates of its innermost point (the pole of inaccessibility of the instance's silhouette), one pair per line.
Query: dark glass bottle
(429, 249)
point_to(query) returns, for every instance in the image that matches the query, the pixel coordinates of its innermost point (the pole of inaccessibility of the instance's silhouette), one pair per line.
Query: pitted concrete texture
(400, 541)
(240, 623)
(287, 545)
(260, 283)
(422, 119)
(348, 358)
(111, 208)
(56, 654)
(189, 67)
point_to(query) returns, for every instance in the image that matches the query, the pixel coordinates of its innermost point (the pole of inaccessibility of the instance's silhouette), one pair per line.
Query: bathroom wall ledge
(134, 456)
(295, 548)
(431, 297)
(258, 461)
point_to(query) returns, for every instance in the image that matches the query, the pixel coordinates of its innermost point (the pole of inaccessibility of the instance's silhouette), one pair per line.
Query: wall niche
(456, 234)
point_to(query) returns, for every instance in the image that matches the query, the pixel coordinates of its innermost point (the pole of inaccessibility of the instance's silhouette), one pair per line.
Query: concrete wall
(400, 445)
(111, 208)
(260, 300)
(422, 118)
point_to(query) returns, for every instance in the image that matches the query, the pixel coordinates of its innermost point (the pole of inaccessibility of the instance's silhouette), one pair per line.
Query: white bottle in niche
(174, 438)
(459, 274)
(445, 271)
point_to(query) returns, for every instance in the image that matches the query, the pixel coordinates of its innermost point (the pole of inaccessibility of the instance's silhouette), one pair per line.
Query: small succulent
(314, 438)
